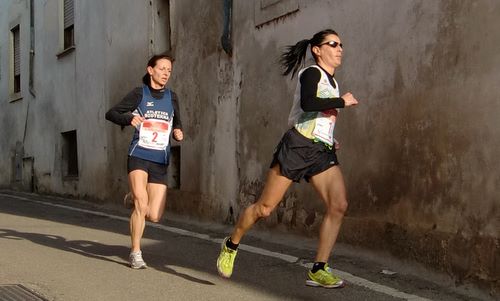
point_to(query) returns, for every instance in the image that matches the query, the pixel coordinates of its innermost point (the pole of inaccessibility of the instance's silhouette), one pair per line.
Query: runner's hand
(349, 100)
(178, 135)
(137, 120)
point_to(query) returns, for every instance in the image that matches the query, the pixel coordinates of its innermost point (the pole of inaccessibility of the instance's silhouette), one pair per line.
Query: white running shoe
(128, 201)
(136, 261)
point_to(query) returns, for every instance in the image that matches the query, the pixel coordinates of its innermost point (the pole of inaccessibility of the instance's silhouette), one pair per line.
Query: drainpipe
(32, 47)
(226, 34)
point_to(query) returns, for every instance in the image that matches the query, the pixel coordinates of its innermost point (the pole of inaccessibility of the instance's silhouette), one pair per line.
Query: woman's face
(160, 73)
(329, 52)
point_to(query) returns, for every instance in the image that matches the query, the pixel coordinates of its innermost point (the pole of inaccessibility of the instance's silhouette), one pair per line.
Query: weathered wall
(418, 153)
(11, 131)
(127, 52)
(427, 185)
(72, 91)
(206, 80)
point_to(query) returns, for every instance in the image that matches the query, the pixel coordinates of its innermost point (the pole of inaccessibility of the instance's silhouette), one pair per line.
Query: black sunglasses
(333, 44)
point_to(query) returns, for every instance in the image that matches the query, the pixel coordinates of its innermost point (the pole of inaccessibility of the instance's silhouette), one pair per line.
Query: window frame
(70, 167)
(66, 28)
(15, 78)
(268, 11)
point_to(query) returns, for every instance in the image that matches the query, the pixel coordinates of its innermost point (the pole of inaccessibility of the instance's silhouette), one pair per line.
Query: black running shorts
(300, 157)
(157, 173)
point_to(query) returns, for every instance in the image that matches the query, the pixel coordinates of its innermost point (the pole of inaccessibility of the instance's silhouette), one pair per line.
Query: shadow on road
(82, 247)
(182, 275)
(91, 249)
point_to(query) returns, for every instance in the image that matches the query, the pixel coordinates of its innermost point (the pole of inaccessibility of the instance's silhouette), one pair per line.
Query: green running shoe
(324, 278)
(225, 262)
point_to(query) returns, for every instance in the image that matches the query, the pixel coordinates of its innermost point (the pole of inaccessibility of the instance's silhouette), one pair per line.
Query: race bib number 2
(154, 134)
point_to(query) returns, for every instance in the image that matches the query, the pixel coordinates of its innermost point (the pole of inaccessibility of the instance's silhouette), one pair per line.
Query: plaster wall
(72, 91)
(11, 130)
(418, 153)
(207, 82)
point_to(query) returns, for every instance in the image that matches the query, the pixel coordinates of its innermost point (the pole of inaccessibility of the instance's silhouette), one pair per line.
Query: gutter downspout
(227, 33)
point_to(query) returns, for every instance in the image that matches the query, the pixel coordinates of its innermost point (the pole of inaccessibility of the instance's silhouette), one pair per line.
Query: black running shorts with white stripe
(300, 157)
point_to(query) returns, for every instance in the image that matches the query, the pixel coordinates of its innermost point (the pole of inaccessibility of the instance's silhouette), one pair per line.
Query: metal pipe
(226, 34)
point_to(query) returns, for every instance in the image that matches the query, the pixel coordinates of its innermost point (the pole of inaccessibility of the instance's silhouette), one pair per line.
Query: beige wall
(418, 154)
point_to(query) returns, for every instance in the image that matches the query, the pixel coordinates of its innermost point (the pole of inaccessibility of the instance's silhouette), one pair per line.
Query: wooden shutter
(68, 13)
(17, 52)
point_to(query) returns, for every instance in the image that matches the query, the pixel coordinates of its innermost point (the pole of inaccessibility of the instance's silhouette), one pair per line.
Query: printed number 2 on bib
(154, 134)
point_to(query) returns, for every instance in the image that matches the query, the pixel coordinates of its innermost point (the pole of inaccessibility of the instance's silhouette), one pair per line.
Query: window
(267, 11)
(69, 154)
(16, 60)
(69, 24)
(32, 48)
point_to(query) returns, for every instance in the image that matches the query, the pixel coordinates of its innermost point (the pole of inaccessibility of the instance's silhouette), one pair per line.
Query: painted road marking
(284, 257)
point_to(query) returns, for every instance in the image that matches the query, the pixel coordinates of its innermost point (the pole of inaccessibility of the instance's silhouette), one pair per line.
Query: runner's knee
(155, 217)
(141, 205)
(263, 210)
(338, 207)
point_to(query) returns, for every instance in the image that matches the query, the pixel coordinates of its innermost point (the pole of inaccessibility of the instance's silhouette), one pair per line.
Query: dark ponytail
(292, 59)
(146, 79)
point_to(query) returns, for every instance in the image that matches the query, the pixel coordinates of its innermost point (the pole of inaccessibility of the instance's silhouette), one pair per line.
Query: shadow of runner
(172, 271)
(86, 248)
(93, 250)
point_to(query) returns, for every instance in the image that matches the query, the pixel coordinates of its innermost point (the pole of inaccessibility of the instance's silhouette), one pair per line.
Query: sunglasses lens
(333, 44)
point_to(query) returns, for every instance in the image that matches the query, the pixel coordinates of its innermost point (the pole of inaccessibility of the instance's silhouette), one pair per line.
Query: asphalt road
(64, 249)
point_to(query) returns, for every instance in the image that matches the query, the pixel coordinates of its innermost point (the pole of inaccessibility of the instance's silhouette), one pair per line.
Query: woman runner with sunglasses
(306, 151)
(154, 112)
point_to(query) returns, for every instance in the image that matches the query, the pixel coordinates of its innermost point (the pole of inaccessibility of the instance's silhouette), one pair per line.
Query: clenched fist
(178, 135)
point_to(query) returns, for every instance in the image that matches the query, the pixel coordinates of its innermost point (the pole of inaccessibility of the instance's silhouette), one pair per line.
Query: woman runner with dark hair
(306, 151)
(154, 112)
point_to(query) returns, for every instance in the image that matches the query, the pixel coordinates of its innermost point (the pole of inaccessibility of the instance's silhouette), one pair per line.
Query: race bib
(154, 134)
(325, 123)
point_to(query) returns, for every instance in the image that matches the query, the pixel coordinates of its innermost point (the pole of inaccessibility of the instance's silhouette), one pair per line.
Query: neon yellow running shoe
(225, 262)
(324, 278)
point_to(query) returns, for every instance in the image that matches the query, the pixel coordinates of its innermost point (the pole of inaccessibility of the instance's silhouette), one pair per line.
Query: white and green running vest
(317, 126)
